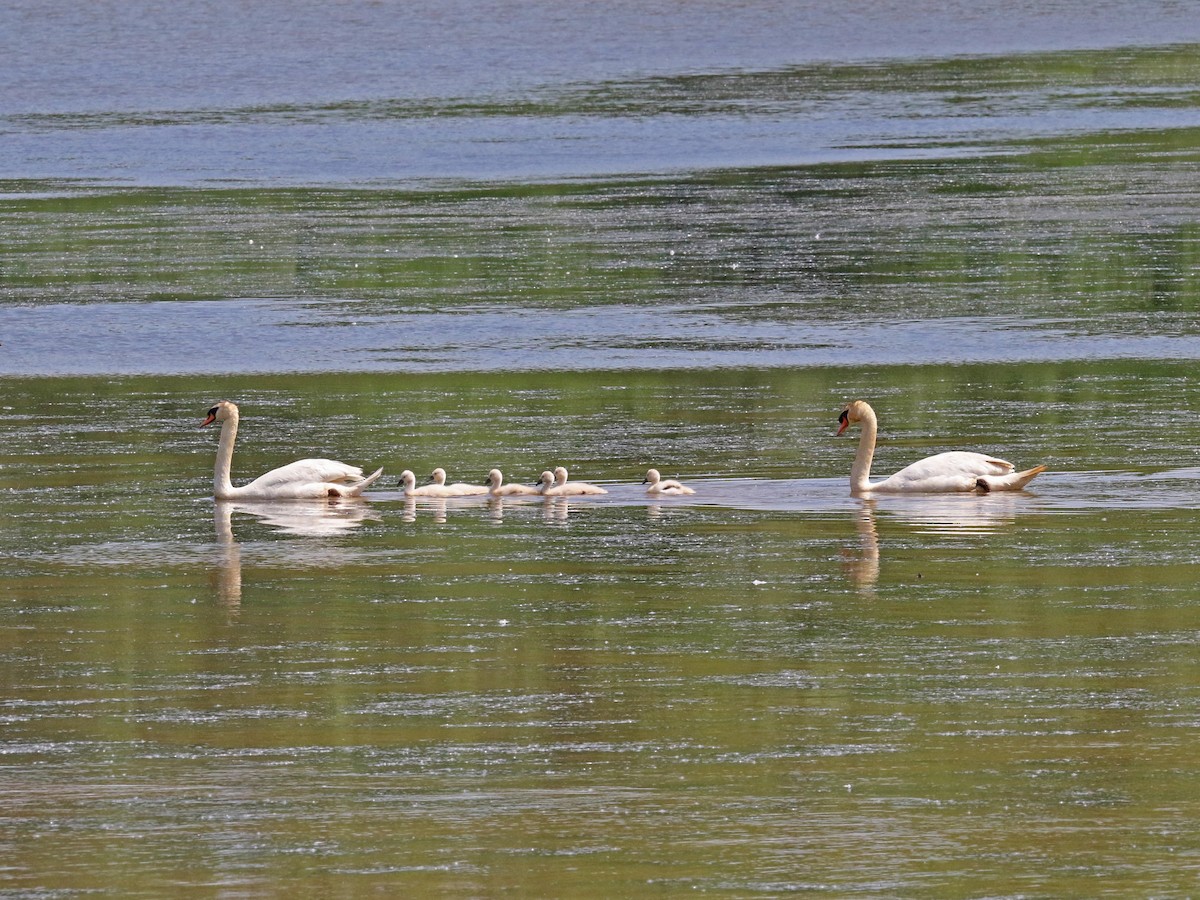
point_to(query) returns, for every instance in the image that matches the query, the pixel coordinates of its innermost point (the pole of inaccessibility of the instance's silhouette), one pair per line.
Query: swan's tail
(370, 479)
(1013, 482)
(356, 489)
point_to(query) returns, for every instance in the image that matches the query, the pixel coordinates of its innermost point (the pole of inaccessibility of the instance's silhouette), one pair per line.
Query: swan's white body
(457, 489)
(305, 479)
(497, 487)
(945, 473)
(659, 485)
(564, 488)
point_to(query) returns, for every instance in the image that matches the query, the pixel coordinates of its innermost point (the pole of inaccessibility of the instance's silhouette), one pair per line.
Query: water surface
(519, 235)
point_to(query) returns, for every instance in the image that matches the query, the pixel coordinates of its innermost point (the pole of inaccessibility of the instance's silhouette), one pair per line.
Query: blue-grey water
(607, 235)
(376, 93)
(501, 186)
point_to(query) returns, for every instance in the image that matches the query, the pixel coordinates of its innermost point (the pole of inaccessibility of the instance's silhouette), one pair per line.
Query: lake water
(608, 236)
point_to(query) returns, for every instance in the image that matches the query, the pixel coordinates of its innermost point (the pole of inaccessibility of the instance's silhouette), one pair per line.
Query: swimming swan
(659, 485)
(497, 487)
(303, 479)
(564, 488)
(457, 489)
(957, 470)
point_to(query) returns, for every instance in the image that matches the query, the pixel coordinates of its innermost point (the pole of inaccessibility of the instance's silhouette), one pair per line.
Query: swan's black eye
(844, 417)
(213, 411)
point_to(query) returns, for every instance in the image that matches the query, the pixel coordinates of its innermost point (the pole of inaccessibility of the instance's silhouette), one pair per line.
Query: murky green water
(769, 687)
(685, 252)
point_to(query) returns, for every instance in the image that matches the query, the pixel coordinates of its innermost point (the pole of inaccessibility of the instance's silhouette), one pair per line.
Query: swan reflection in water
(317, 518)
(497, 505)
(302, 518)
(227, 576)
(437, 508)
(861, 564)
(956, 514)
(946, 515)
(554, 509)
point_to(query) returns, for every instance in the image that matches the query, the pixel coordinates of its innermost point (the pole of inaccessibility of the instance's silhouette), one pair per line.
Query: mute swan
(545, 482)
(303, 479)
(564, 488)
(457, 489)
(659, 485)
(944, 473)
(497, 487)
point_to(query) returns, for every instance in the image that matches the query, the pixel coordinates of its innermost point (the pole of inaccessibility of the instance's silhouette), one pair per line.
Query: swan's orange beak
(212, 417)
(843, 422)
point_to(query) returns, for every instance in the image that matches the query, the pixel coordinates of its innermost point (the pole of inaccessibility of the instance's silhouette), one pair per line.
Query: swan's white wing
(945, 473)
(308, 471)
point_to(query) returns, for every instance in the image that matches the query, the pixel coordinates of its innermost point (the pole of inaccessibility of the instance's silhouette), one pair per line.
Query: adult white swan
(303, 479)
(659, 485)
(945, 473)
(497, 487)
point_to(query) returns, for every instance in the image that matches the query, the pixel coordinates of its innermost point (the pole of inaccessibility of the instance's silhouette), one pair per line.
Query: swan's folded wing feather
(310, 471)
(959, 462)
(956, 470)
(1003, 466)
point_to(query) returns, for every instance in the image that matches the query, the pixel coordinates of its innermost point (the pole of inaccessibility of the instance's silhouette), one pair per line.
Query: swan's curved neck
(222, 487)
(860, 474)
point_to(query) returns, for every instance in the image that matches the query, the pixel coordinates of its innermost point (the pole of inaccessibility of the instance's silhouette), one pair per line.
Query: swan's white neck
(223, 489)
(860, 474)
